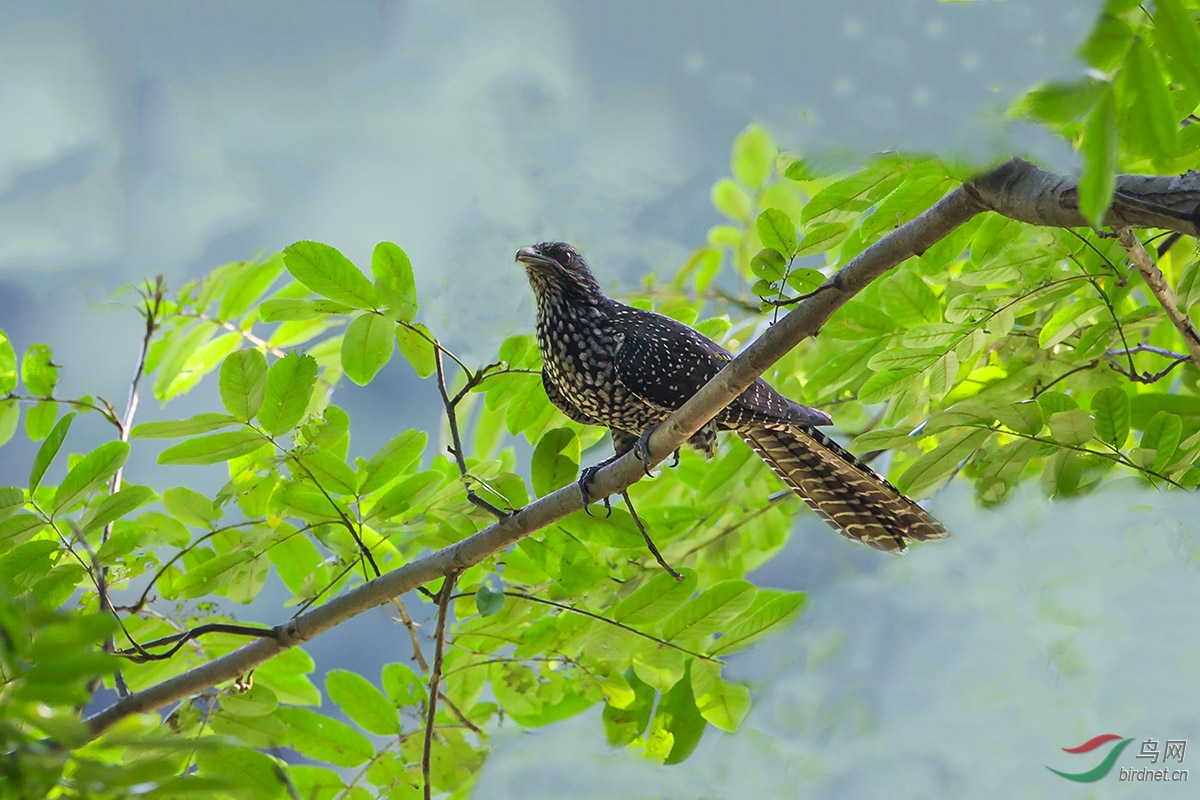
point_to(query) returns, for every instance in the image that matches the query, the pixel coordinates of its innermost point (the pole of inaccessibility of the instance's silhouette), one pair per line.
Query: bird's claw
(585, 478)
(641, 449)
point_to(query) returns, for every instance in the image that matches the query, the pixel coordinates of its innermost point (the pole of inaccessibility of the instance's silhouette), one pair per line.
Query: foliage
(1004, 353)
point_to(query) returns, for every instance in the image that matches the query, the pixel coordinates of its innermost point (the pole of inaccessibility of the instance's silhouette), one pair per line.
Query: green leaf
(330, 472)
(214, 448)
(252, 280)
(48, 450)
(290, 383)
(1099, 148)
(15, 530)
(394, 281)
(1061, 103)
(655, 598)
(90, 471)
(255, 775)
(709, 611)
(1147, 118)
(821, 238)
(1023, 417)
(330, 274)
(934, 335)
(325, 739)
(678, 716)
(24, 565)
(1110, 407)
(1066, 321)
(941, 461)
(852, 193)
(176, 429)
(856, 321)
(731, 200)
(722, 703)
(909, 301)
(555, 462)
(243, 383)
(1188, 289)
(1177, 33)
(10, 418)
(1162, 435)
(489, 601)
(370, 708)
(408, 493)
(403, 686)
(776, 230)
(393, 459)
(889, 383)
(753, 156)
(768, 264)
(755, 623)
(416, 346)
(1073, 427)
(8, 365)
(367, 347)
(39, 420)
(38, 371)
(12, 500)
(115, 506)
(290, 310)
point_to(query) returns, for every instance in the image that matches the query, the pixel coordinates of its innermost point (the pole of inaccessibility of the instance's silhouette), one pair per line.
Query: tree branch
(997, 190)
(1162, 291)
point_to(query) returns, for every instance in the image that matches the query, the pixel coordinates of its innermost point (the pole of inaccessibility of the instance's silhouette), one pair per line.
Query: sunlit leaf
(88, 473)
(327, 272)
(367, 346)
(243, 382)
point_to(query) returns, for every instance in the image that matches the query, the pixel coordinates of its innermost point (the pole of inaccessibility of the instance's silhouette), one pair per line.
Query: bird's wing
(665, 362)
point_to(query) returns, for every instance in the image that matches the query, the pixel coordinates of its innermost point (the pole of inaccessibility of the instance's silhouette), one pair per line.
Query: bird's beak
(531, 257)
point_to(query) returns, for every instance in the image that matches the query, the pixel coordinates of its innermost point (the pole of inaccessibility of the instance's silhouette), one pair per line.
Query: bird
(609, 364)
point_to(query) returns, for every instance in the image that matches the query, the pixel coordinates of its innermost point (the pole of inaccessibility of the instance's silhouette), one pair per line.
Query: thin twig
(258, 342)
(139, 654)
(456, 447)
(152, 305)
(475, 729)
(607, 621)
(408, 623)
(1162, 291)
(662, 562)
(105, 411)
(435, 677)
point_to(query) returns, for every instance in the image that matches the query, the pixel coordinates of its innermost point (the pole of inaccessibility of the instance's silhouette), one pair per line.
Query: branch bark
(1016, 189)
(1162, 291)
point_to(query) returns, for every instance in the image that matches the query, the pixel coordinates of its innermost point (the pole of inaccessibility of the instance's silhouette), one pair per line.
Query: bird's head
(557, 268)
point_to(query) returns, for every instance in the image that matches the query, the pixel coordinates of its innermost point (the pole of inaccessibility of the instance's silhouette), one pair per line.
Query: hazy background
(148, 137)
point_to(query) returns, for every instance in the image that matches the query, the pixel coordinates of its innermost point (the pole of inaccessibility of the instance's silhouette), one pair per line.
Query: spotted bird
(606, 363)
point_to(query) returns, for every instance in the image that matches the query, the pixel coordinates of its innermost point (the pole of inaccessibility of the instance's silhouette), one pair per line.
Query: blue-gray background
(148, 137)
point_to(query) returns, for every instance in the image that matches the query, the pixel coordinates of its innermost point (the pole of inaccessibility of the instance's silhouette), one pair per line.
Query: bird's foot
(641, 449)
(585, 477)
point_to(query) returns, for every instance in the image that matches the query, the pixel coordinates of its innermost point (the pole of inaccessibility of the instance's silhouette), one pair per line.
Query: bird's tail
(845, 492)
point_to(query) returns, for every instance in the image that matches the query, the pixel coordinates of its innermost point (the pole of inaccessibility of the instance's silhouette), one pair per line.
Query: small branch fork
(1016, 189)
(1162, 291)
(451, 404)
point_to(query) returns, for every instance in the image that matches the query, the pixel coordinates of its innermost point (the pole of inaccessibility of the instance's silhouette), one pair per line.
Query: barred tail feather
(845, 492)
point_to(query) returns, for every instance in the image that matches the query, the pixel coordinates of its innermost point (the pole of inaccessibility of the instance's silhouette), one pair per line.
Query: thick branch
(1022, 191)
(1016, 189)
(805, 320)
